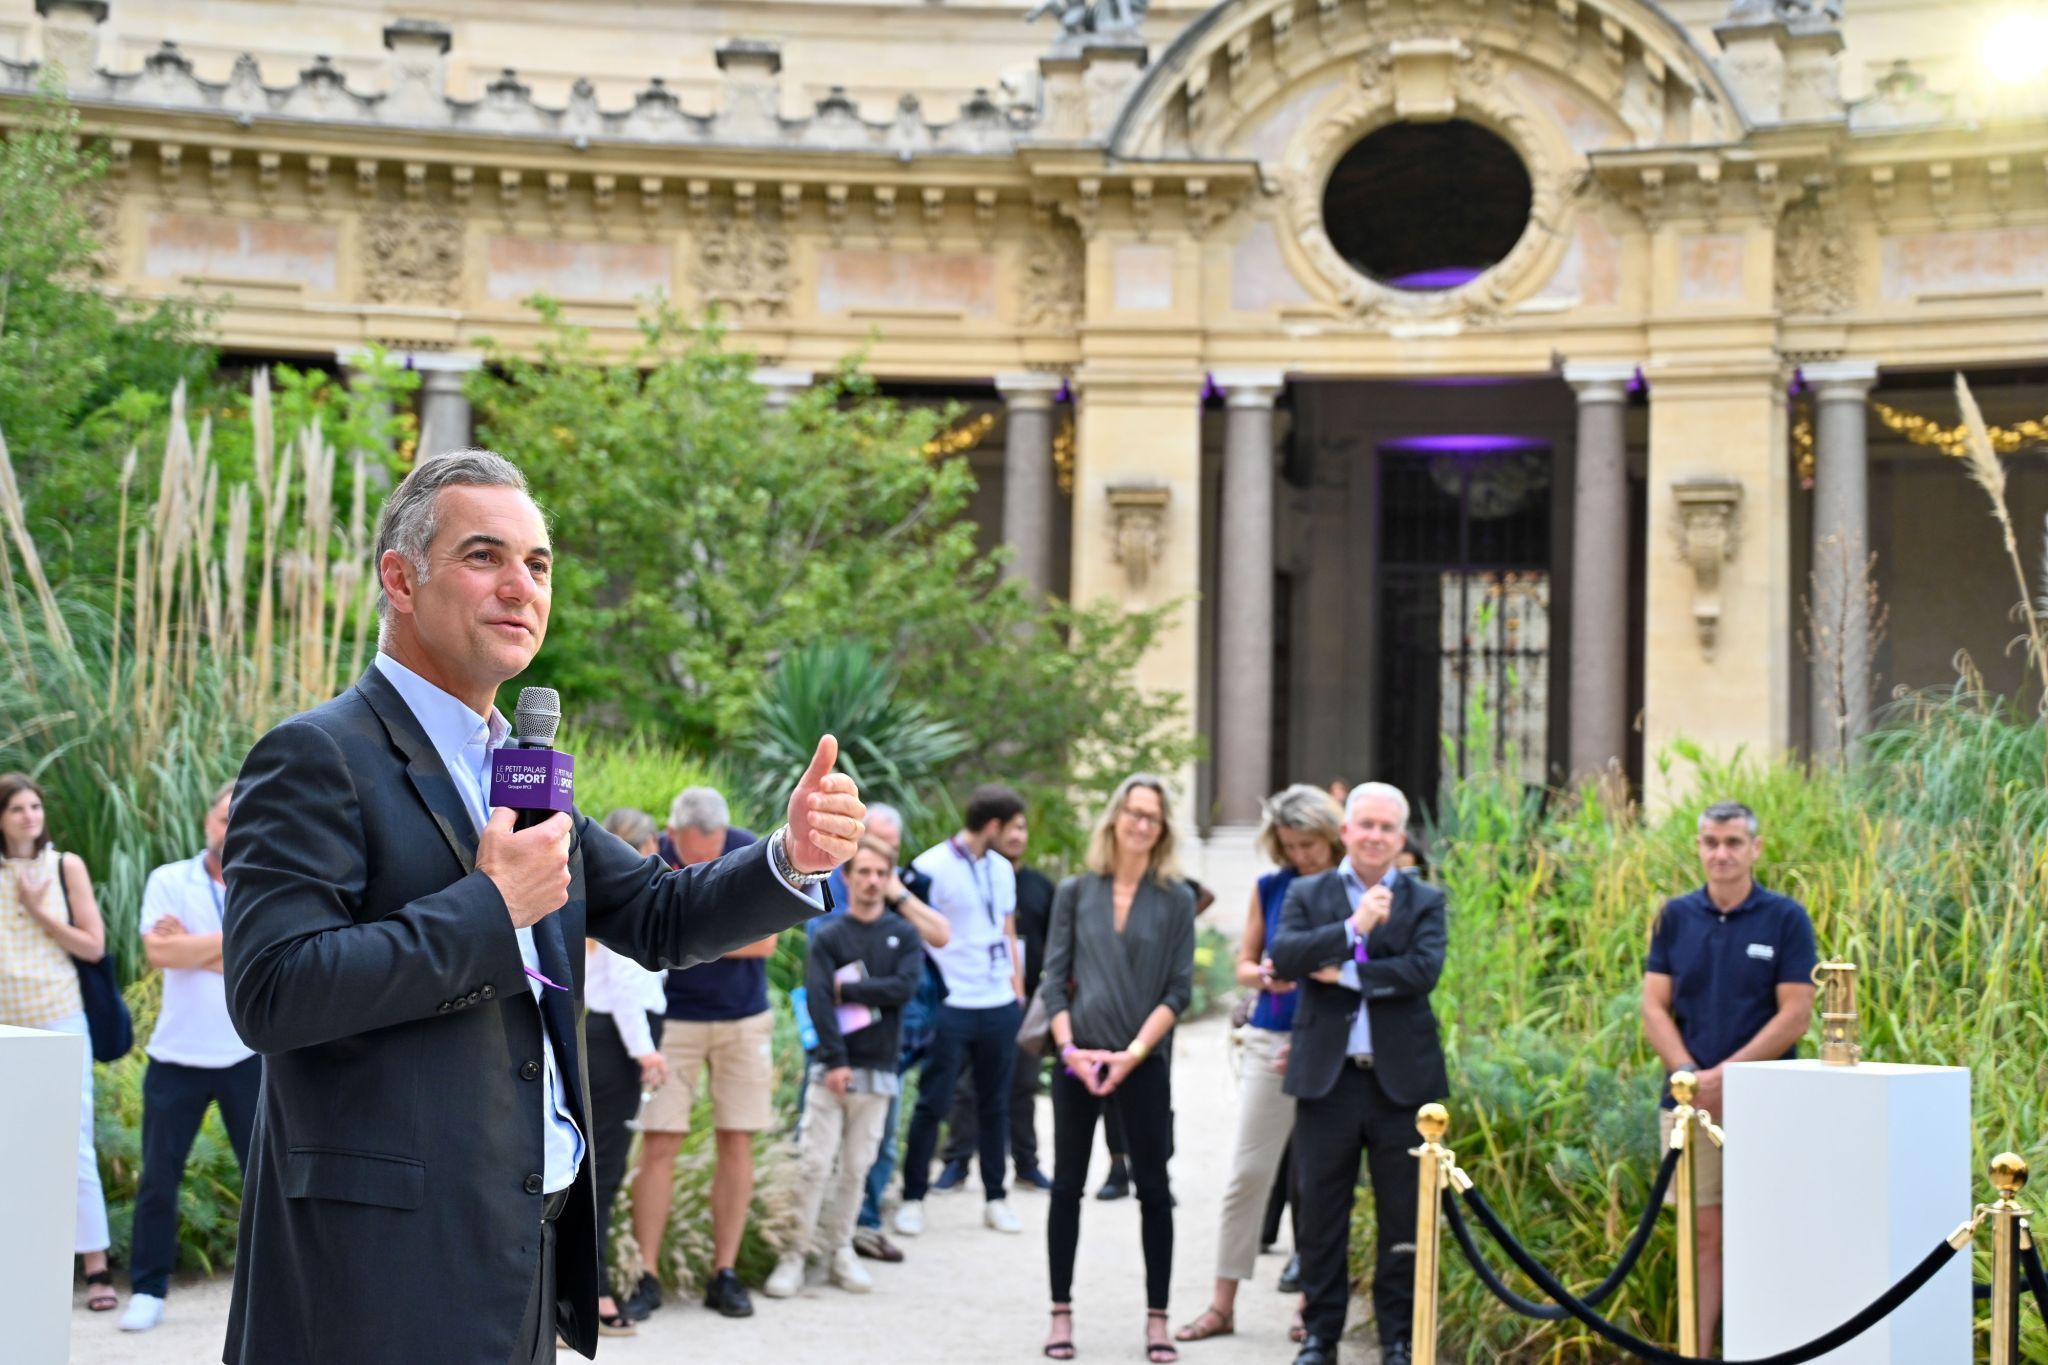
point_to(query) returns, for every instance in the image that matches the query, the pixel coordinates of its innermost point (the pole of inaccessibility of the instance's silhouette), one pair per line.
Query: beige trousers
(1265, 1118)
(846, 1129)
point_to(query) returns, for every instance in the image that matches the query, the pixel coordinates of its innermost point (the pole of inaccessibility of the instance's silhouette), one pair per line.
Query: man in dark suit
(1367, 944)
(402, 957)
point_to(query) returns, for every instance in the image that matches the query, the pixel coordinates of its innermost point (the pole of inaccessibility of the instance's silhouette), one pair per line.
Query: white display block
(39, 1075)
(1837, 1181)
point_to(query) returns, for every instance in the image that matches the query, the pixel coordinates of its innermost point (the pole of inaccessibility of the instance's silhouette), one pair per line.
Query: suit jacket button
(445, 1007)
(490, 992)
(533, 1183)
(461, 1003)
(531, 1071)
(475, 996)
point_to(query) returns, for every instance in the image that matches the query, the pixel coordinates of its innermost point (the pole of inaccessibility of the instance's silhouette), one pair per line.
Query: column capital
(426, 362)
(1250, 387)
(1028, 389)
(779, 377)
(1834, 381)
(1600, 381)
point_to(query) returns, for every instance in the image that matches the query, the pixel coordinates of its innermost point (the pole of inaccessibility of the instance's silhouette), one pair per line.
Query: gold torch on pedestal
(1837, 983)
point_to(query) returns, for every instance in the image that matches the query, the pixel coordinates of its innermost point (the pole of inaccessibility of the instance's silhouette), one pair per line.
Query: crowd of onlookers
(975, 971)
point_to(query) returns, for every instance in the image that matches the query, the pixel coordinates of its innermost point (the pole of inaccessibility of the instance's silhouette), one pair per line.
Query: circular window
(1427, 206)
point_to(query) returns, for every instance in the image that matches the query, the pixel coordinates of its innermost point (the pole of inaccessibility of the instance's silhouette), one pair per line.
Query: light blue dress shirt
(1347, 975)
(464, 741)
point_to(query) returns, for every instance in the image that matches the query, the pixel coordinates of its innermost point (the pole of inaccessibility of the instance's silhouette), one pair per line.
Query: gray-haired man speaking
(400, 955)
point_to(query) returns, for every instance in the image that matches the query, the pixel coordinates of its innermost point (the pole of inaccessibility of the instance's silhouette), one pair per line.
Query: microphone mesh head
(538, 715)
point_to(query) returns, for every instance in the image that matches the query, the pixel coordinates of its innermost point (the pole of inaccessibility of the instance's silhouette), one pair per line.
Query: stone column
(1244, 598)
(1028, 476)
(1598, 719)
(1838, 631)
(1717, 638)
(446, 422)
(781, 385)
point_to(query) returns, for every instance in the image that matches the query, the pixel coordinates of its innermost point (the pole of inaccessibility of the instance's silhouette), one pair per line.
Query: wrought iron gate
(1464, 649)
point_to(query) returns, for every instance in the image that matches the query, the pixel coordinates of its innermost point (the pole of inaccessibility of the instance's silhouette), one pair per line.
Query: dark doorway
(1464, 647)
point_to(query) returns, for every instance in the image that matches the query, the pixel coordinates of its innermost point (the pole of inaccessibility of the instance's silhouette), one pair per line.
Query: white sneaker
(788, 1276)
(910, 1218)
(848, 1273)
(998, 1215)
(144, 1312)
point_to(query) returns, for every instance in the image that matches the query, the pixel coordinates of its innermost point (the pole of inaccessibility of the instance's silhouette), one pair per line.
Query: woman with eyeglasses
(1119, 971)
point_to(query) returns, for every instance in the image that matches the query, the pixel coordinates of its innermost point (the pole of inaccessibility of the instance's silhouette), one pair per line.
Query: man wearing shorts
(1729, 979)
(717, 1020)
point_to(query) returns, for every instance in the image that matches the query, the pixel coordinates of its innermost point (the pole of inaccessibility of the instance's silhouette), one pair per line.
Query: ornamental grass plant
(1924, 863)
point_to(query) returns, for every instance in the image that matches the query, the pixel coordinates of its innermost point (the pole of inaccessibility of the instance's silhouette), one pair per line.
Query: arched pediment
(1626, 55)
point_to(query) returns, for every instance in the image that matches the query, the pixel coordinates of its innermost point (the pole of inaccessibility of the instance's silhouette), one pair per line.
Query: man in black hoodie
(863, 968)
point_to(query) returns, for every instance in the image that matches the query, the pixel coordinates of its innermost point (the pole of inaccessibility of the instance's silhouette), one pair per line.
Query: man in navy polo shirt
(1729, 979)
(717, 1021)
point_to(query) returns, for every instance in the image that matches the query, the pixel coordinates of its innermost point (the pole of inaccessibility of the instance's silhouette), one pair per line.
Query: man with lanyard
(1729, 979)
(975, 888)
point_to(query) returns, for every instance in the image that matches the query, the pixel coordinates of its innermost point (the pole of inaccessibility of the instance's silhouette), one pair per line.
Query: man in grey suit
(1366, 942)
(409, 965)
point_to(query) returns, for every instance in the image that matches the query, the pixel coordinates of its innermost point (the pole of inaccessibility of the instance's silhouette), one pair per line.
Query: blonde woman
(48, 916)
(1301, 832)
(1119, 971)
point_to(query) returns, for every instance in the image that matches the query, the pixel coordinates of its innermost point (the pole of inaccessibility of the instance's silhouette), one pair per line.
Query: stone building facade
(1568, 368)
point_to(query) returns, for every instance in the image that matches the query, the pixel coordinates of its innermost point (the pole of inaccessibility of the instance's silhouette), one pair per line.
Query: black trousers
(986, 1038)
(614, 1100)
(1328, 1134)
(174, 1100)
(960, 1124)
(536, 1339)
(1144, 1102)
(1281, 1199)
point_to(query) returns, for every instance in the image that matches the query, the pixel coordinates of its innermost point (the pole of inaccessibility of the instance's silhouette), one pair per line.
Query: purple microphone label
(533, 779)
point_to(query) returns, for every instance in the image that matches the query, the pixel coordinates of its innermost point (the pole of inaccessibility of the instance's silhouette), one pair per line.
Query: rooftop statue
(1093, 18)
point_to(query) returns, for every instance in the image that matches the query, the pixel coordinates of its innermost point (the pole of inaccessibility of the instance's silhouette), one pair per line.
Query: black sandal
(1062, 1350)
(101, 1303)
(1160, 1352)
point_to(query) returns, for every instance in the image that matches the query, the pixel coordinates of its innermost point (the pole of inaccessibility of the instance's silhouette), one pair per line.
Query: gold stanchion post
(1439, 1168)
(1685, 1085)
(2008, 1220)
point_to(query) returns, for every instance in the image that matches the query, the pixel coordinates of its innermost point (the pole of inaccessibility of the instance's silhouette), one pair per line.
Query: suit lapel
(1336, 905)
(423, 766)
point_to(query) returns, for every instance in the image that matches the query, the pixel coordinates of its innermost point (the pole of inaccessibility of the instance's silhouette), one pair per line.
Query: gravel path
(963, 1294)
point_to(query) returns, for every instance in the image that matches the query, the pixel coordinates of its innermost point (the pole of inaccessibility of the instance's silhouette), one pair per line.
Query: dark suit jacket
(1407, 957)
(391, 1206)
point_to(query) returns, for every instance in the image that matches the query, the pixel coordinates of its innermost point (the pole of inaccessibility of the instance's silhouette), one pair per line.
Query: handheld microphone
(528, 773)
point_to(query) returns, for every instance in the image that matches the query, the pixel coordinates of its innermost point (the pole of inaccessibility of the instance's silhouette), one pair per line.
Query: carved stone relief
(412, 254)
(1053, 289)
(1137, 528)
(1816, 266)
(1708, 530)
(1450, 78)
(743, 268)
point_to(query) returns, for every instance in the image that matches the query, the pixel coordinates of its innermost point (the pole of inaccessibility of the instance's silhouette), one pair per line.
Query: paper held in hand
(853, 1018)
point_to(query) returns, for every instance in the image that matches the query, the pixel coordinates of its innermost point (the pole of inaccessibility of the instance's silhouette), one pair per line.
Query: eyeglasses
(1143, 817)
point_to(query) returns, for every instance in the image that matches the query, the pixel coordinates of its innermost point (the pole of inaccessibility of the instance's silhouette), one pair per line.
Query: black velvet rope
(2030, 1261)
(1882, 1308)
(1550, 1312)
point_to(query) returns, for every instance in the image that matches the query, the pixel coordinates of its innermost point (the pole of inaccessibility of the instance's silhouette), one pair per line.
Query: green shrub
(1925, 864)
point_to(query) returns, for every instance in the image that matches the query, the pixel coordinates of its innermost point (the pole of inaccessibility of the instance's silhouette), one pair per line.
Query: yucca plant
(894, 747)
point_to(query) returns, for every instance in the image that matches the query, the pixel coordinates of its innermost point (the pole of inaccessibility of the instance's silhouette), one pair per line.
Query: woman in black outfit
(1119, 970)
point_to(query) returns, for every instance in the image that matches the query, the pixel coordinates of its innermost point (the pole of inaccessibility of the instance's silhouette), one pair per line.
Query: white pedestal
(1838, 1181)
(39, 1075)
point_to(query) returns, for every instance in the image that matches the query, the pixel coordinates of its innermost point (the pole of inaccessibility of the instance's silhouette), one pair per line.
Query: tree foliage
(82, 372)
(700, 536)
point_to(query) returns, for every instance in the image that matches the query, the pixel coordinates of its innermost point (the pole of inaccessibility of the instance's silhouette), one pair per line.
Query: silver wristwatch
(778, 855)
